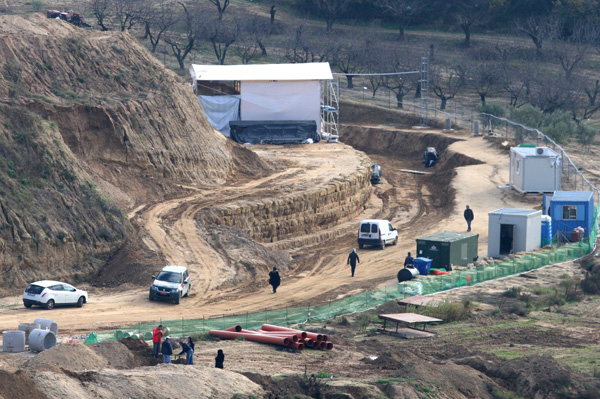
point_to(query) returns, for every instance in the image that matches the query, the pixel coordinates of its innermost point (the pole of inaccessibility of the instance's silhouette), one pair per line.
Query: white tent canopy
(269, 92)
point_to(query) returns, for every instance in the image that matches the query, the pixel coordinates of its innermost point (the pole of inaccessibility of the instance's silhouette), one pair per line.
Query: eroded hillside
(91, 124)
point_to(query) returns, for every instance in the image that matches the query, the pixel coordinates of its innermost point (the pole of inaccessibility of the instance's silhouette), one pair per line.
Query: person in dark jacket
(274, 279)
(409, 260)
(219, 359)
(352, 259)
(167, 350)
(189, 352)
(468, 214)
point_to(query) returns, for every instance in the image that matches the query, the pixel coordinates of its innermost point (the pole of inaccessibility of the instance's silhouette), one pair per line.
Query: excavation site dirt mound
(92, 123)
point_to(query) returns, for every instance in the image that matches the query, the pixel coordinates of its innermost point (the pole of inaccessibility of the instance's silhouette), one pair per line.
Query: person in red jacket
(157, 335)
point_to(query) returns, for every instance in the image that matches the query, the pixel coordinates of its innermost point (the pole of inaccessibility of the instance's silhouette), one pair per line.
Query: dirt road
(410, 201)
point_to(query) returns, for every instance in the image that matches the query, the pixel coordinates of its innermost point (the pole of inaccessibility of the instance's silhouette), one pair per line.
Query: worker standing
(274, 279)
(468, 214)
(219, 359)
(157, 335)
(352, 259)
(409, 260)
(167, 350)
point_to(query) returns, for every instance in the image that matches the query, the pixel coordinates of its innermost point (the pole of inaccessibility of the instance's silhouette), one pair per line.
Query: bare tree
(100, 10)
(221, 35)
(537, 28)
(350, 58)
(572, 50)
(183, 37)
(550, 91)
(304, 45)
(272, 12)
(471, 13)
(221, 7)
(446, 81)
(400, 60)
(128, 12)
(250, 41)
(331, 10)
(402, 12)
(158, 18)
(485, 79)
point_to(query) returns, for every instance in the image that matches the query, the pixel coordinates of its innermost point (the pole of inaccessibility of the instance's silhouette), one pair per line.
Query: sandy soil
(171, 229)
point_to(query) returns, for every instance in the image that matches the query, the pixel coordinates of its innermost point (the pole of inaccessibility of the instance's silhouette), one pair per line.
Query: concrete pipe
(28, 328)
(40, 340)
(147, 335)
(47, 324)
(13, 341)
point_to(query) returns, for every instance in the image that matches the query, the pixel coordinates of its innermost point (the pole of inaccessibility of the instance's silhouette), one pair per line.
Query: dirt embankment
(92, 124)
(308, 211)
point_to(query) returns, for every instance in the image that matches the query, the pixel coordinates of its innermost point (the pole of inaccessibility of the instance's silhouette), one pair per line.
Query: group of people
(164, 347)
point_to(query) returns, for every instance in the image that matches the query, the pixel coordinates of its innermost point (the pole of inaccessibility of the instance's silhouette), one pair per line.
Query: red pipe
(322, 345)
(293, 337)
(234, 328)
(316, 337)
(267, 339)
(297, 345)
(309, 342)
(329, 346)
(270, 327)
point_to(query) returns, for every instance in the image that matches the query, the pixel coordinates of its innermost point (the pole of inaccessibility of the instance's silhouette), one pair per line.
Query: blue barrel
(546, 230)
(422, 265)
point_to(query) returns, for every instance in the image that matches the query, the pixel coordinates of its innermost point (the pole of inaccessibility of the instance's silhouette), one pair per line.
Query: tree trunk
(329, 21)
(467, 29)
(401, 32)
(263, 49)
(146, 30)
(418, 91)
(400, 100)
(443, 103)
(482, 97)
(272, 12)
(349, 79)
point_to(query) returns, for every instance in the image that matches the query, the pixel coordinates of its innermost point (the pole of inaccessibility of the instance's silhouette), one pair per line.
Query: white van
(376, 232)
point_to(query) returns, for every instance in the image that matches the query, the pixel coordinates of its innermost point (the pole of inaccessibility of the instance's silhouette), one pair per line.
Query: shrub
(512, 292)
(585, 134)
(591, 283)
(450, 311)
(491, 108)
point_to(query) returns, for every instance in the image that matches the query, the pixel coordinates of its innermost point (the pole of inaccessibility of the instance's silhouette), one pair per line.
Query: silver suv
(172, 283)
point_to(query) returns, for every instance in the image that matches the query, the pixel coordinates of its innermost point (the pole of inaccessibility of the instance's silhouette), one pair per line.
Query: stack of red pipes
(277, 335)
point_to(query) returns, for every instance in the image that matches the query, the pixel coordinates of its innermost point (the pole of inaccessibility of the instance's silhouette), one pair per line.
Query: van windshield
(169, 277)
(364, 228)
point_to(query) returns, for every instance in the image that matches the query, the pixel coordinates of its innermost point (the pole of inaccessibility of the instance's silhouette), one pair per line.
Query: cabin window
(569, 212)
(518, 166)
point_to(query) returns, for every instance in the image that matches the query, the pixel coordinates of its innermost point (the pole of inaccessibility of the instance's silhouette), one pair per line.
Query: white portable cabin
(513, 230)
(262, 92)
(535, 169)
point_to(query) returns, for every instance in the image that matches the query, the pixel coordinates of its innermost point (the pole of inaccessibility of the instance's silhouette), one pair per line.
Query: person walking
(468, 214)
(274, 279)
(167, 350)
(219, 359)
(352, 259)
(409, 260)
(157, 335)
(189, 352)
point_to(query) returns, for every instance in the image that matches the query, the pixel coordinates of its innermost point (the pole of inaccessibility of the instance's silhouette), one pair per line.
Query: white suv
(49, 293)
(376, 232)
(172, 283)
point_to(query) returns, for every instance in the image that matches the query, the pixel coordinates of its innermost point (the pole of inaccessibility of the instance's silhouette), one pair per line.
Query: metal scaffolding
(424, 82)
(330, 104)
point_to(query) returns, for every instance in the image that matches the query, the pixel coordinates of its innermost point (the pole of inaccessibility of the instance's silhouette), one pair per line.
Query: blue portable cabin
(571, 209)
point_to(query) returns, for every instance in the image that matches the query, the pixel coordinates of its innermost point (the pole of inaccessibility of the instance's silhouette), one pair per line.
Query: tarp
(262, 72)
(280, 101)
(269, 132)
(220, 110)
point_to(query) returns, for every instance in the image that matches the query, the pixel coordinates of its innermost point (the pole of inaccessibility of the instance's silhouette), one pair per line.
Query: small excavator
(69, 16)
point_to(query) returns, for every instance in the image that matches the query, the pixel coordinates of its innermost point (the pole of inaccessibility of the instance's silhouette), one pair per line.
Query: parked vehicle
(430, 157)
(376, 232)
(375, 173)
(49, 293)
(172, 283)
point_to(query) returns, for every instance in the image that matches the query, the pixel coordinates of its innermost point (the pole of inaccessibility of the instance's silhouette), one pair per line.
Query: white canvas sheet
(280, 101)
(220, 110)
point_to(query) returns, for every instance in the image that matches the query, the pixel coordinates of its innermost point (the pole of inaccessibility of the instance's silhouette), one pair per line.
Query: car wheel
(27, 305)
(395, 241)
(360, 246)
(151, 297)
(80, 301)
(178, 299)
(382, 244)
(50, 304)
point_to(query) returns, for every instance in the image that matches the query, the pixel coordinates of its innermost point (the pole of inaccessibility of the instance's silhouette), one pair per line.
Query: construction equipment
(375, 174)
(69, 16)
(430, 157)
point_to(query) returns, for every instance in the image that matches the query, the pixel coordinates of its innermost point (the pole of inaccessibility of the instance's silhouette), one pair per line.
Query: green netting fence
(424, 285)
